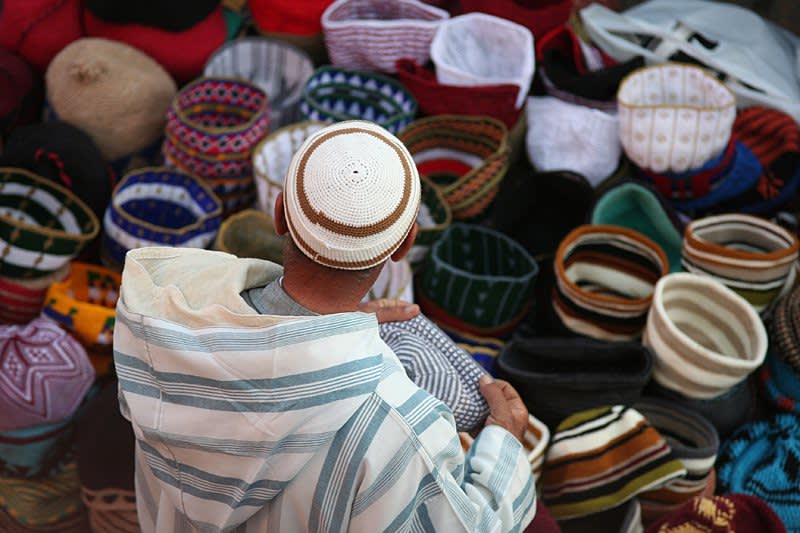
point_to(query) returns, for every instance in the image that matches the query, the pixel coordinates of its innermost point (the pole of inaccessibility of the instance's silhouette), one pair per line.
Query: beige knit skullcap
(351, 195)
(112, 91)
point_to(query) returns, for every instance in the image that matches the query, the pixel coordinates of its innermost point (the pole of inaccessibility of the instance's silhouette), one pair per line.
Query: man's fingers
(498, 405)
(397, 313)
(511, 395)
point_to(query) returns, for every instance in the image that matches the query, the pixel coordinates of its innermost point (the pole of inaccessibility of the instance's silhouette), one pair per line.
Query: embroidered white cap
(351, 195)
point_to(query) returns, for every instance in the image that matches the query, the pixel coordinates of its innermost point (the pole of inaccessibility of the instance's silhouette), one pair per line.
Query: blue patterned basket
(159, 207)
(337, 94)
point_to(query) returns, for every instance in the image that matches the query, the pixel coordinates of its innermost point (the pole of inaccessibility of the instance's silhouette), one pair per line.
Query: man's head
(351, 197)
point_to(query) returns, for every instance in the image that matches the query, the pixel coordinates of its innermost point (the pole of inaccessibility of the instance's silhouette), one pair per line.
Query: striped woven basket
(21, 300)
(42, 225)
(159, 207)
(271, 160)
(434, 217)
(337, 94)
(467, 156)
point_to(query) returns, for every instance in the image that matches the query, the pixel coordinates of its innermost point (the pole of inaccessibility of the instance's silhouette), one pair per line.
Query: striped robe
(248, 422)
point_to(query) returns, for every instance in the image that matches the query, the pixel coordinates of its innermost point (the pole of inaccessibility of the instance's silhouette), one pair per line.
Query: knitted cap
(351, 195)
(731, 513)
(785, 328)
(112, 91)
(625, 518)
(603, 457)
(781, 383)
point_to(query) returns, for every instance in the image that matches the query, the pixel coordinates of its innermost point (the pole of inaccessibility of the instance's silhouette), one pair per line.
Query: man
(300, 418)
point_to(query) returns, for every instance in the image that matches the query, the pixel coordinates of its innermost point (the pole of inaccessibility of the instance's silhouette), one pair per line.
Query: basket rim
(704, 73)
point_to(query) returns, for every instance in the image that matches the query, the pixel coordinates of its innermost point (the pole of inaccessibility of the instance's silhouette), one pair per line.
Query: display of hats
(477, 280)
(564, 136)
(761, 459)
(477, 49)
(271, 158)
(159, 207)
(605, 276)
(374, 34)
(625, 518)
(466, 156)
(749, 255)
(65, 155)
(335, 94)
(51, 504)
(38, 29)
(84, 305)
(20, 91)
(280, 69)
(781, 383)
(703, 346)
(785, 329)
(21, 300)
(395, 282)
(435, 98)
(42, 225)
(674, 117)
(557, 377)
(433, 218)
(539, 16)
(729, 513)
(639, 207)
(695, 443)
(114, 92)
(181, 37)
(250, 233)
(600, 458)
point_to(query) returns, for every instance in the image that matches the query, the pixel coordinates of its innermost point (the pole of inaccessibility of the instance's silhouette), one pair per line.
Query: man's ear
(281, 227)
(408, 242)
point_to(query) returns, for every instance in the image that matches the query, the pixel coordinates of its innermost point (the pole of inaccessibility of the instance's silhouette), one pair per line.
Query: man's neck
(321, 294)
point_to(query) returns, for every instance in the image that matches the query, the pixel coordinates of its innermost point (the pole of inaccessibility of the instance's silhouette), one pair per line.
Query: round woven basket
(250, 233)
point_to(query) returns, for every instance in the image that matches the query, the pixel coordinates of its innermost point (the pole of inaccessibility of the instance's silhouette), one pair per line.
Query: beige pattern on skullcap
(351, 195)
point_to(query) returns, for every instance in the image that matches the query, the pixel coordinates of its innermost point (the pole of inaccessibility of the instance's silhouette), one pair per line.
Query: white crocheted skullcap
(351, 195)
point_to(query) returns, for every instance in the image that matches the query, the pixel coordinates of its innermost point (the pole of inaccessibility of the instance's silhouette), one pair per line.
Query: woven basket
(271, 160)
(21, 300)
(42, 225)
(373, 34)
(434, 217)
(674, 117)
(250, 233)
(160, 207)
(280, 69)
(337, 94)
(466, 156)
(477, 280)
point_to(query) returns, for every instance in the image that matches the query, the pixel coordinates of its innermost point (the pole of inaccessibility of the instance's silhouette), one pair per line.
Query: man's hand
(506, 408)
(390, 310)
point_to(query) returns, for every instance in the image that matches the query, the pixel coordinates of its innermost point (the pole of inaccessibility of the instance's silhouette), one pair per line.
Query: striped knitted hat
(21, 300)
(601, 458)
(559, 377)
(749, 255)
(762, 459)
(351, 195)
(785, 329)
(731, 513)
(705, 337)
(604, 281)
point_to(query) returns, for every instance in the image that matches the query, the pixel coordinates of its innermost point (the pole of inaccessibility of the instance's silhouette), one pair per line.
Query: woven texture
(433, 218)
(601, 458)
(351, 195)
(674, 117)
(21, 300)
(374, 34)
(768, 133)
(113, 92)
(605, 277)
(466, 156)
(785, 329)
(477, 49)
(271, 158)
(250, 233)
(159, 207)
(730, 513)
(749, 255)
(477, 280)
(336, 94)
(42, 225)
(280, 69)
(703, 346)
(761, 459)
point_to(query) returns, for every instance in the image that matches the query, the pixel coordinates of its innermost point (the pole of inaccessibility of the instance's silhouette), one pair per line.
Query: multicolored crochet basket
(433, 218)
(337, 94)
(212, 126)
(42, 225)
(280, 69)
(159, 207)
(467, 156)
(21, 300)
(477, 281)
(271, 158)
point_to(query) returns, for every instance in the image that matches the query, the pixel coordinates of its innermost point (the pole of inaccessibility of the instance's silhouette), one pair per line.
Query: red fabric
(731, 513)
(562, 38)
(543, 522)
(497, 101)
(39, 29)
(182, 54)
(19, 89)
(768, 133)
(539, 16)
(289, 16)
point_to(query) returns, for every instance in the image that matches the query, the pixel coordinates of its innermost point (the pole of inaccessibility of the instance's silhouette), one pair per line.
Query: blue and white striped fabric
(248, 422)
